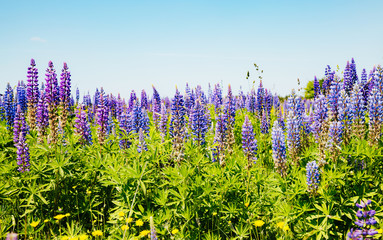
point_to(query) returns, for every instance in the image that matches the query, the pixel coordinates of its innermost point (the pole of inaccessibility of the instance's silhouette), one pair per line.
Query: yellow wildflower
(144, 233)
(64, 238)
(259, 223)
(97, 233)
(139, 223)
(121, 214)
(46, 220)
(74, 238)
(67, 215)
(175, 231)
(129, 220)
(283, 225)
(229, 222)
(83, 237)
(35, 223)
(214, 213)
(247, 204)
(59, 217)
(124, 227)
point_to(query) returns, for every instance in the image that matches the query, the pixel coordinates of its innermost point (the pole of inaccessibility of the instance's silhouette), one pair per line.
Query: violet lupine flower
(65, 94)
(281, 120)
(265, 123)
(209, 94)
(138, 119)
(355, 234)
(32, 93)
(132, 100)
(110, 126)
(126, 128)
(163, 127)
(189, 100)
(353, 74)
(19, 125)
(119, 107)
(333, 97)
(22, 154)
(9, 106)
(230, 106)
(153, 233)
(199, 122)
(260, 99)
(358, 110)
(144, 100)
(156, 107)
(96, 98)
(52, 100)
(268, 102)
(312, 175)
(102, 119)
(177, 126)
(279, 148)
(378, 78)
(364, 86)
(316, 88)
(219, 140)
(11, 236)
(42, 117)
(249, 143)
(21, 98)
(217, 97)
(2, 111)
(141, 141)
(365, 221)
(240, 103)
(78, 95)
(329, 76)
(335, 134)
(294, 138)
(375, 115)
(251, 101)
(82, 127)
(276, 102)
(320, 115)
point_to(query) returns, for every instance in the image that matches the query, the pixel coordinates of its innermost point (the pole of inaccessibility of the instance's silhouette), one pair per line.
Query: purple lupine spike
(9, 106)
(317, 91)
(132, 100)
(313, 177)
(156, 107)
(82, 127)
(358, 110)
(163, 127)
(126, 128)
(19, 125)
(276, 102)
(219, 140)
(65, 94)
(102, 119)
(347, 81)
(153, 233)
(189, 100)
(375, 116)
(320, 115)
(333, 97)
(32, 93)
(217, 97)
(364, 222)
(42, 117)
(177, 126)
(249, 143)
(241, 101)
(22, 154)
(138, 118)
(265, 123)
(78, 95)
(344, 113)
(110, 126)
(279, 149)
(281, 120)
(293, 135)
(119, 107)
(52, 100)
(364, 87)
(2, 111)
(335, 135)
(112, 105)
(210, 95)
(353, 74)
(329, 76)
(144, 100)
(21, 98)
(141, 141)
(260, 99)
(199, 122)
(251, 101)
(268, 102)
(378, 78)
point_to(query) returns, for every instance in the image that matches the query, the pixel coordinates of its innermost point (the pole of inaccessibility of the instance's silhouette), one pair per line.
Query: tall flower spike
(21, 96)
(52, 100)
(220, 139)
(153, 233)
(22, 154)
(102, 119)
(65, 93)
(316, 88)
(141, 141)
(42, 122)
(19, 125)
(9, 106)
(265, 123)
(199, 122)
(333, 97)
(364, 222)
(144, 100)
(217, 97)
(279, 149)
(249, 143)
(375, 115)
(260, 99)
(78, 95)
(156, 107)
(32, 93)
(126, 128)
(312, 174)
(82, 127)
(132, 100)
(335, 138)
(320, 116)
(163, 127)
(358, 111)
(177, 126)
(347, 81)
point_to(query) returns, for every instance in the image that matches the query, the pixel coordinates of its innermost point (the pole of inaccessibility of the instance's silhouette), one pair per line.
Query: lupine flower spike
(32, 93)
(177, 126)
(65, 85)
(312, 174)
(249, 143)
(279, 149)
(52, 100)
(365, 221)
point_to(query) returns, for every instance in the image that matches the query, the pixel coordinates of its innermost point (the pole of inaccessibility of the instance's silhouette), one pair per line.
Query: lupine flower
(335, 137)
(249, 143)
(65, 93)
(141, 139)
(21, 98)
(347, 81)
(219, 140)
(132, 100)
(52, 100)
(320, 115)
(329, 76)
(9, 106)
(78, 95)
(365, 221)
(189, 100)
(19, 125)
(144, 100)
(280, 119)
(378, 78)
(199, 122)
(177, 126)
(156, 106)
(358, 110)
(163, 125)
(82, 127)
(126, 128)
(217, 97)
(42, 116)
(364, 86)
(251, 101)
(333, 97)
(260, 99)
(268, 102)
(355, 234)
(153, 233)
(2, 111)
(32, 93)
(240, 103)
(316, 88)
(229, 114)
(279, 148)
(138, 118)
(312, 175)
(294, 125)
(22, 154)
(102, 119)
(376, 115)
(11, 236)
(353, 74)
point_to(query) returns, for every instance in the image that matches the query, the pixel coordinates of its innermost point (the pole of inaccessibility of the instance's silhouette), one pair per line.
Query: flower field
(201, 164)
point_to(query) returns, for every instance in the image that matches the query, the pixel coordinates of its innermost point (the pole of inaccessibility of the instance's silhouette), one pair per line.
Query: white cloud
(38, 39)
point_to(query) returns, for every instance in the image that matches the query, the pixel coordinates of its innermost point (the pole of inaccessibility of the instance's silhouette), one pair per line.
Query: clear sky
(126, 45)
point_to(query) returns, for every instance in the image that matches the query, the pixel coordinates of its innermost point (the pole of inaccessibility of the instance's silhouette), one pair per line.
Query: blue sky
(130, 45)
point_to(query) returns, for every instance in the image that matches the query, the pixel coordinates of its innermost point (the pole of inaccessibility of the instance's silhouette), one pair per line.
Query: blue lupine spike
(279, 149)
(9, 106)
(313, 177)
(249, 143)
(82, 127)
(177, 126)
(333, 97)
(260, 99)
(21, 97)
(375, 115)
(144, 100)
(199, 122)
(219, 140)
(23, 160)
(163, 126)
(317, 90)
(156, 106)
(132, 100)
(265, 123)
(320, 115)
